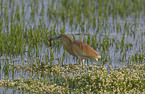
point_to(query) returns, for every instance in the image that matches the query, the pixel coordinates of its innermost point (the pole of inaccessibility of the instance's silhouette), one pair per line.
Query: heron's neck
(67, 42)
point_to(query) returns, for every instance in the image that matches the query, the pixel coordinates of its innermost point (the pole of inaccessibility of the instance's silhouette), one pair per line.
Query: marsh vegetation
(114, 28)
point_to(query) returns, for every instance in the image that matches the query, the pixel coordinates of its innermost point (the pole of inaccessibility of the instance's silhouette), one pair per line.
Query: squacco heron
(77, 48)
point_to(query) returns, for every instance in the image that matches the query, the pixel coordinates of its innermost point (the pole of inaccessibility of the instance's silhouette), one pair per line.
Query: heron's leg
(83, 63)
(79, 61)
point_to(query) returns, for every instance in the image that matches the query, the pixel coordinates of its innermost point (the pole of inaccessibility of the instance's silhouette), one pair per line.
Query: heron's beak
(54, 38)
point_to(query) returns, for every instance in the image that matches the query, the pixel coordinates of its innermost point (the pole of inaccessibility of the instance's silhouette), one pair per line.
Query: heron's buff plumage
(78, 48)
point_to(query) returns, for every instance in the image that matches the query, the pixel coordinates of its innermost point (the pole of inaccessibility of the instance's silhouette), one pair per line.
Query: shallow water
(117, 40)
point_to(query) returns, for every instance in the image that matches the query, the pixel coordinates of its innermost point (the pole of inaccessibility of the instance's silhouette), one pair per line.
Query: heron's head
(63, 37)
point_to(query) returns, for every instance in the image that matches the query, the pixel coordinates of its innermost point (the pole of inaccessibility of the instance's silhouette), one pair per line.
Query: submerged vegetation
(114, 28)
(92, 79)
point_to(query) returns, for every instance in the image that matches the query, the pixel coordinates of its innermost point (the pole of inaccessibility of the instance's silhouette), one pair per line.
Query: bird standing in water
(78, 48)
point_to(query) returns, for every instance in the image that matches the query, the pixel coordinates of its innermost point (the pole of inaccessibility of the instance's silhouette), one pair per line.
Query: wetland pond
(115, 29)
